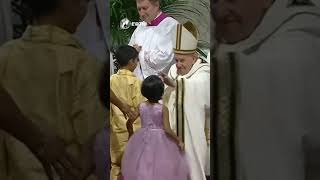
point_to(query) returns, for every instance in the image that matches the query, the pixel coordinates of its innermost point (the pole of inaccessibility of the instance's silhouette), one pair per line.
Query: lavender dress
(150, 153)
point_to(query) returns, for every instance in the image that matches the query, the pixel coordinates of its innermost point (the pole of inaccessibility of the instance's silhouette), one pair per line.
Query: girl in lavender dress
(154, 152)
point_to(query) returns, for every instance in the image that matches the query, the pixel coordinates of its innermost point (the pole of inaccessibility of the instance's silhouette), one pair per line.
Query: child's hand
(181, 146)
(137, 47)
(134, 116)
(128, 113)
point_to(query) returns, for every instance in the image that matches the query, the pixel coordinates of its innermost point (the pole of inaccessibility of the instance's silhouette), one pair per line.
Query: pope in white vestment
(276, 92)
(156, 53)
(189, 101)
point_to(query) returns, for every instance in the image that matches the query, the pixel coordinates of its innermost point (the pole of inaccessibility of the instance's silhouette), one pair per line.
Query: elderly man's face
(237, 19)
(184, 63)
(147, 10)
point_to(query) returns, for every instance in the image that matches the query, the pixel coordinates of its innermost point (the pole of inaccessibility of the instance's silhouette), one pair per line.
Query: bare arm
(114, 100)
(130, 122)
(125, 109)
(167, 127)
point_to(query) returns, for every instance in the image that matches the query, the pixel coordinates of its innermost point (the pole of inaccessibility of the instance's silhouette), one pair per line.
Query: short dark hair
(152, 88)
(124, 53)
(41, 7)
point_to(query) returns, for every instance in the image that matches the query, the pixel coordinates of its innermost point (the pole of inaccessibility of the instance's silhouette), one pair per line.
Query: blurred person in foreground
(266, 91)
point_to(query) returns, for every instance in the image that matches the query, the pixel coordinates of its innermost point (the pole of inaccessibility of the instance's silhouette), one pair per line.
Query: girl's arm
(168, 129)
(131, 121)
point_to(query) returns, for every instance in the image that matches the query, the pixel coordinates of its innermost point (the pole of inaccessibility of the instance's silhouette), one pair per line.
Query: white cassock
(156, 47)
(277, 96)
(208, 58)
(195, 106)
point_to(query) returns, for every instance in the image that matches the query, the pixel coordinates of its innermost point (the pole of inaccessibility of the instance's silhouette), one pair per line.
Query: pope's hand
(137, 47)
(167, 80)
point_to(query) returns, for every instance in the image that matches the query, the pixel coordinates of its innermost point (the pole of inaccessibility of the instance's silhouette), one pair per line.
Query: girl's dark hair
(152, 88)
(124, 53)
